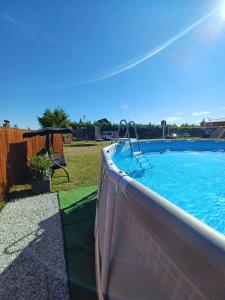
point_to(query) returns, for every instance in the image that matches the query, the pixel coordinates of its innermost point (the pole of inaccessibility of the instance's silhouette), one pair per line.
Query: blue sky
(141, 60)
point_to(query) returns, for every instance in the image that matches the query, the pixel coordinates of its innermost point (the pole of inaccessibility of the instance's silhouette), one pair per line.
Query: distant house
(216, 122)
(67, 138)
(109, 135)
(98, 135)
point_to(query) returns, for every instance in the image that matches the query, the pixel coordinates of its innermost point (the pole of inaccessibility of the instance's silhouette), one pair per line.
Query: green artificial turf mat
(78, 217)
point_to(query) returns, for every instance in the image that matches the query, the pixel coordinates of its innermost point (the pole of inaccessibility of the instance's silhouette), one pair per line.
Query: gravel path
(32, 261)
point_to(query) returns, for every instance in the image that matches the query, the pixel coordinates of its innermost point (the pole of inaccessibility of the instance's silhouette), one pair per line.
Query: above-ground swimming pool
(190, 174)
(160, 221)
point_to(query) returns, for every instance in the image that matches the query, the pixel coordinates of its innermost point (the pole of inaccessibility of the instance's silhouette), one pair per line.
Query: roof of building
(216, 120)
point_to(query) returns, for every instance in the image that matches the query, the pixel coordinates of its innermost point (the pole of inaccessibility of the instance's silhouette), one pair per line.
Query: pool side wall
(148, 248)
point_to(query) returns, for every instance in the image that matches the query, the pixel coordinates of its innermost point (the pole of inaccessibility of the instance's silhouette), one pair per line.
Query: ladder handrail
(136, 134)
(127, 133)
(121, 123)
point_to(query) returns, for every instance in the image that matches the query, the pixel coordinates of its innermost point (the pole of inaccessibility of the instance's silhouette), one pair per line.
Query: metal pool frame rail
(148, 248)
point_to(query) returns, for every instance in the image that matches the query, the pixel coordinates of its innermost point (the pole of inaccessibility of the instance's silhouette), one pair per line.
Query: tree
(102, 122)
(61, 119)
(47, 119)
(6, 123)
(56, 118)
(203, 122)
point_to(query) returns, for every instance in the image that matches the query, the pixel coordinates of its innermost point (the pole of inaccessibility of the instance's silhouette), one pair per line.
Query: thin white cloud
(201, 113)
(7, 18)
(138, 60)
(135, 62)
(173, 119)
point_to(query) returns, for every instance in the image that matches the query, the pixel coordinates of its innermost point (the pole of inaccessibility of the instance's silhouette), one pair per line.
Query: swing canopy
(46, 131)
(58, 160)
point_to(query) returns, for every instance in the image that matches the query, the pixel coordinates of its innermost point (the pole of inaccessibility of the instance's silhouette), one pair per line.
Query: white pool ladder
(127, 136)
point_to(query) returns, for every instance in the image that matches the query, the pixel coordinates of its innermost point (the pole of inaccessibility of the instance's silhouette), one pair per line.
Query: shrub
(40, 167)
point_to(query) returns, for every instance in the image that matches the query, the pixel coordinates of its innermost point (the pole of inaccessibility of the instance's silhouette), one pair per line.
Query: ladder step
(137, 153)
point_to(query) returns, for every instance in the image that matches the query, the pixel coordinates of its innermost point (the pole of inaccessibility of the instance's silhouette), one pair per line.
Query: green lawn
(83, 165)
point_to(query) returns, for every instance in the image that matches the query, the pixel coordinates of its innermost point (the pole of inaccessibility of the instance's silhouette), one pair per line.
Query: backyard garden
(77, 199)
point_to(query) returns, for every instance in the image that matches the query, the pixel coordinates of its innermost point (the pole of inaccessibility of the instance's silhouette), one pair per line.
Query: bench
(58, 162)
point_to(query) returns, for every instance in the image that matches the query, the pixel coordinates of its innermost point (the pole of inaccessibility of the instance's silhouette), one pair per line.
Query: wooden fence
(15, 152)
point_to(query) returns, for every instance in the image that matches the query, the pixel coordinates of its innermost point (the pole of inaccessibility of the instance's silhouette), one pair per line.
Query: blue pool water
(193, 180)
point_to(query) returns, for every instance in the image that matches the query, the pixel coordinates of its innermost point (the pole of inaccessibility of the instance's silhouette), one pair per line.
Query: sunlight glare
(222, 13)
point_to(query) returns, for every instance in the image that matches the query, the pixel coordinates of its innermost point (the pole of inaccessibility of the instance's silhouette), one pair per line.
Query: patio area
(32, 260)
(47, 246)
